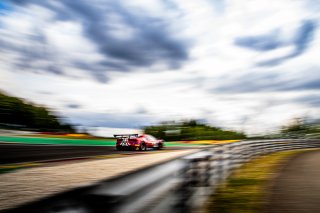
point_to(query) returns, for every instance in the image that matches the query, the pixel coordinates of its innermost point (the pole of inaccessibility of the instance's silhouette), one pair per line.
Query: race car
(137, 142)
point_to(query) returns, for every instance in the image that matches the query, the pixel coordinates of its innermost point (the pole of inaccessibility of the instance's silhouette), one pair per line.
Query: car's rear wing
(126, 135)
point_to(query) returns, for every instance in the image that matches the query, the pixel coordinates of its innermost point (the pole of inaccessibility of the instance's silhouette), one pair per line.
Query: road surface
(19, 153)
(28, 185)
(297, 188)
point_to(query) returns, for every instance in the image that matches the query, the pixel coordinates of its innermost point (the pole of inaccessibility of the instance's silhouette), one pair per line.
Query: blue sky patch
(5, 7)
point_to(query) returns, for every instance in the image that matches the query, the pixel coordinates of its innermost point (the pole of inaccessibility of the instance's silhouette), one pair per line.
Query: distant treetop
(16, 113)
(191, 130)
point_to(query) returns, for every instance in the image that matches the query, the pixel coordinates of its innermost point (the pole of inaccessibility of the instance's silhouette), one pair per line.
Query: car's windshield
(150, 137)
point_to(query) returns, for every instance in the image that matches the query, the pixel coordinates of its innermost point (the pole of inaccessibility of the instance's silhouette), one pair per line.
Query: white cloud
(166, 94)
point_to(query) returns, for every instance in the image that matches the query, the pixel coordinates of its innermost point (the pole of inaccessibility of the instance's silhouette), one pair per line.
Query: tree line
(191, 130)
(301, 128)
(15, 113)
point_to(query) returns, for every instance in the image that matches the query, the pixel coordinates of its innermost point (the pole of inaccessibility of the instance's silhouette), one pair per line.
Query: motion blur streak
(243, 66)
(177, 74)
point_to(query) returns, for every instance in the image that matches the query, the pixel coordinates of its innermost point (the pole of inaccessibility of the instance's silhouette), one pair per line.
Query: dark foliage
(191, 130)
(17, 114)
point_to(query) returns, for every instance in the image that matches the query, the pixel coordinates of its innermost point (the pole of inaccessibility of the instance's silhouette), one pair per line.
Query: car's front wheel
(160, 146)
(143, 147)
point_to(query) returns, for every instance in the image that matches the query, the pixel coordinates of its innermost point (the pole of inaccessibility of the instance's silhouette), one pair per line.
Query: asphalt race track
(19, 153)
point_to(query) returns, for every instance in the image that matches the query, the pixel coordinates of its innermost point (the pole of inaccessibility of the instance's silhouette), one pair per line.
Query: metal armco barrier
(180, 185)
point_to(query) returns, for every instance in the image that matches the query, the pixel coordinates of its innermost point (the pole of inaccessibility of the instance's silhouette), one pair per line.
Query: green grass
(65, 141)
(179, 144)
(68, 141)
(65, 137)
(245, 191)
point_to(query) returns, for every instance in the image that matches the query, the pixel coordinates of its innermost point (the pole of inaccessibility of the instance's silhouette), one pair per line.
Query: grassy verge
(246, 189)
(65, 141)
(68, 140)
(204, 142)
(70, 136)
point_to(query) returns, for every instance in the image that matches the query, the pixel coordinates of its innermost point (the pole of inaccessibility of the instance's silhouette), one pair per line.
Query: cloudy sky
(249, 65)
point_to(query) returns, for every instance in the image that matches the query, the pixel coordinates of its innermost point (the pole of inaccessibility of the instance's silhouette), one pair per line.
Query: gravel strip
(29, 185)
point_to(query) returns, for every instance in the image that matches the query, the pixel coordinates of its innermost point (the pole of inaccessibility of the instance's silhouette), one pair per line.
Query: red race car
(137, 142)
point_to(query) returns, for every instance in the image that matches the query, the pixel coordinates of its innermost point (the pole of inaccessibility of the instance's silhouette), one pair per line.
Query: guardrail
(180, 185)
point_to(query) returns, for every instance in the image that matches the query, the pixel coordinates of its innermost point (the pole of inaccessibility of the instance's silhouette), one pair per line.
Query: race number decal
(124, 142)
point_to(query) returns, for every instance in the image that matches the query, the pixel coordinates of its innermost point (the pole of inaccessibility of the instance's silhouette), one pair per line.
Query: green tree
(16, 113)
(190, 130)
